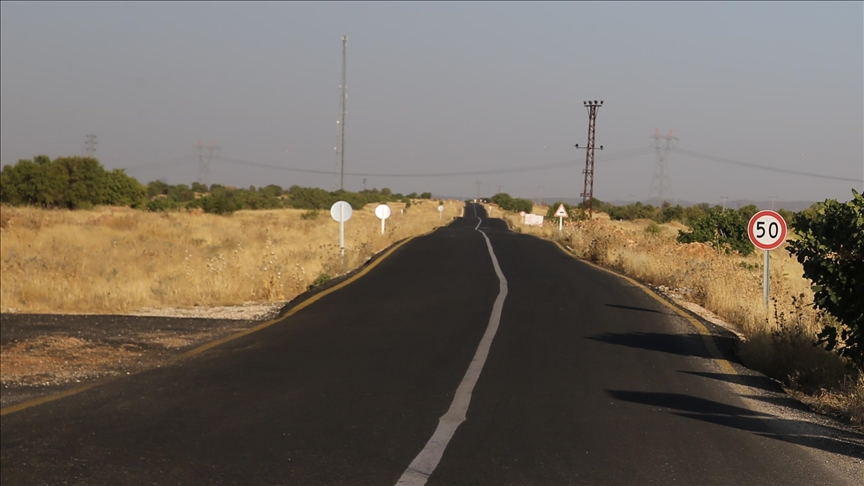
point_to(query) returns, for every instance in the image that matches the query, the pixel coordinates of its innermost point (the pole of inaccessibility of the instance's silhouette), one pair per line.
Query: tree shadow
(643, 309)
(753, 381)
(765, 425)
(680, 344)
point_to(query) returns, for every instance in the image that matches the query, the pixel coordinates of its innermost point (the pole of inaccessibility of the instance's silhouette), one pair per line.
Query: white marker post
(767, 230)
(341, 211)
(383, 212)
(561, 213)
(440, 212)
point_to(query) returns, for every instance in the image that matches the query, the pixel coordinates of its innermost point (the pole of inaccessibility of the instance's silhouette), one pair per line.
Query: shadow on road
(762, 424)
(643, 309)
(753, 381)
(680, 344)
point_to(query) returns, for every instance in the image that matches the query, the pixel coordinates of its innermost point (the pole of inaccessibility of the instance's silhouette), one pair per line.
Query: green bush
(319, 280)
(507, 203)
(830, 247)
(724, 230)
(68, 182)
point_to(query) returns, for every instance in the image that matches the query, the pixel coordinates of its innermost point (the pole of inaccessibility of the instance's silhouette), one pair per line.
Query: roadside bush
(724, 230)
(830, 247)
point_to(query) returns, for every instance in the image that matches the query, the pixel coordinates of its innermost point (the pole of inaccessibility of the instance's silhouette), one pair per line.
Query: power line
(723, 160)
(161, 164)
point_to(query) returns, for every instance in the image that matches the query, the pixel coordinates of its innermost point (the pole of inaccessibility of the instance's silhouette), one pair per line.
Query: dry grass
(115, 260)
(779, 340)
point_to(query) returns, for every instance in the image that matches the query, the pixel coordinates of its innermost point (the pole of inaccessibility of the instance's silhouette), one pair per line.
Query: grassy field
(779, 340)
(115, 260)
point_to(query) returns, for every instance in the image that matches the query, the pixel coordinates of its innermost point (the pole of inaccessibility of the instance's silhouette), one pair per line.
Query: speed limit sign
(767, 230)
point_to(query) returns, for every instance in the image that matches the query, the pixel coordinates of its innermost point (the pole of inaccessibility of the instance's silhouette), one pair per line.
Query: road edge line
(703, 331)
(212, 344)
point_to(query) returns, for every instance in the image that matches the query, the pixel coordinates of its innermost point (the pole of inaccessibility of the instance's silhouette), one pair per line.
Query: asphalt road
(587, 380)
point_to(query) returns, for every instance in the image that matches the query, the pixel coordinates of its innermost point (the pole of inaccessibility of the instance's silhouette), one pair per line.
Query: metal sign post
(561, 213)
(383, 212)
(767, 230)
(341, 211)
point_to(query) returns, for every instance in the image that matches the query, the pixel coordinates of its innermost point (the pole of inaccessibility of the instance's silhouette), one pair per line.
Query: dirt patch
(42, 354)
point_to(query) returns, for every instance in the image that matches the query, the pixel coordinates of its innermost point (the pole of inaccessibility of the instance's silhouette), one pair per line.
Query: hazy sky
(446, 88)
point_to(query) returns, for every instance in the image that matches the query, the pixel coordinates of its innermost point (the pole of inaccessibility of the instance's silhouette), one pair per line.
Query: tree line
(82, 183)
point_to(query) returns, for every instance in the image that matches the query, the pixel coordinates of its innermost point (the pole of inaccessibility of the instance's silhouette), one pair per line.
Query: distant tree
(156, 188)
(426, 195)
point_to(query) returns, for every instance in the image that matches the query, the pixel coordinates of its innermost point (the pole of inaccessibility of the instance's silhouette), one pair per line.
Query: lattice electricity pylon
(90, 146)
(588, 186)
(204, 161)
(660, 183)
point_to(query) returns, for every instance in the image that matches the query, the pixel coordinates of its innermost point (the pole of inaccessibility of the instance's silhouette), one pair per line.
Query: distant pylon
(204, 161)
(90, 146)
(660, 184)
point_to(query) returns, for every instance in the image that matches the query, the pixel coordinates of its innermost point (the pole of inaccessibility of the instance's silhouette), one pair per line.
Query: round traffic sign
(440, 208)
(767, 230)
(341, 211)
(382, 211)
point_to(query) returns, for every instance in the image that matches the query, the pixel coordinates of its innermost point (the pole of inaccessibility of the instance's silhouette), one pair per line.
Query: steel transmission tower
(343, 102)
(660, 184)
(588, 187)
(90, 146)
(204, 161)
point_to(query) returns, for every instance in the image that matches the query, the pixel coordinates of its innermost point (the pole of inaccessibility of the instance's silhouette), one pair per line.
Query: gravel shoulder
(42, 354)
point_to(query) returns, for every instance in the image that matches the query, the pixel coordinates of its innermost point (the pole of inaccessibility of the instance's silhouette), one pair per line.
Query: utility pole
(204, 161)
(660, 185)
(90, 146)
(724, 198)
(588, 187)
(478, 190)
(773, 198)
(499, 188)
(364, 184)
(344, 103)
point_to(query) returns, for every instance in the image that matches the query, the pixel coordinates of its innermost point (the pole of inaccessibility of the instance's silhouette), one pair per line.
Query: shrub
(830, 247)
(724, 230)
(311, 214)
(320, 280)
(652, 229)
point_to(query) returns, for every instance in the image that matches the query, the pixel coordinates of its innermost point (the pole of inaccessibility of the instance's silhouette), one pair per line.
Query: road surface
(472, 355)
